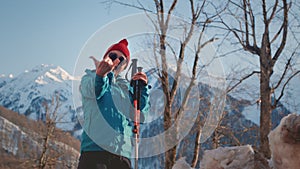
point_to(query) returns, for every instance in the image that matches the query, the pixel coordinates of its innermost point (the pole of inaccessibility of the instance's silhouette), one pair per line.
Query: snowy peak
(28, 93)
(51, 73)
(48, 73)
(40, 75)
(62, 73)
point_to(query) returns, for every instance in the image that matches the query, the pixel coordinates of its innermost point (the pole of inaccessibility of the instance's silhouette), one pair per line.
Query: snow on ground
(181, 164)
(228, 158)
(285, 143)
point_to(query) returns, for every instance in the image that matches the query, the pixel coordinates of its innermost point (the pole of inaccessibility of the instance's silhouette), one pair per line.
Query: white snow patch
(40, 80)
(62, 73)
(53, 77)
(285, 143)
(228, 158)
(181, 164)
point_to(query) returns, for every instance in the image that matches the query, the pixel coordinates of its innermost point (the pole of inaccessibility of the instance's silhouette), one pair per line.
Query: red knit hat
(122, 47)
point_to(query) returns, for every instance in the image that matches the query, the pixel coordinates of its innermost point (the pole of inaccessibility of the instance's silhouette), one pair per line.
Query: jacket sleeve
(145, 101)
(87, 86)
(101, 86)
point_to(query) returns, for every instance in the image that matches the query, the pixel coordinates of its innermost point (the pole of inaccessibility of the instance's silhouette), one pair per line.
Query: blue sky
(35, 32)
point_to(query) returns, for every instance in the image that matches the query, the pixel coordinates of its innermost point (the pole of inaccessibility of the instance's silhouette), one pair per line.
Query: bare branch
(194, 70)
(241, 80)
(265, 14)
(182, 50)
(230, 133)
(253, 49)
(208, 42)
(283, 75)
(246, 22)
(172, 7)
(156, 58)
(284, 34)
(252, 19)
(230, 52)
(156, 6)
(277, 34)
(273, 11)
(283, 88)
(162, 36)
(234, 33)
(128, 5)
(235, 4)
(178, 73)
(153, 22)
(172, 51)
(197, 147)
(169, 13)
(194, 19)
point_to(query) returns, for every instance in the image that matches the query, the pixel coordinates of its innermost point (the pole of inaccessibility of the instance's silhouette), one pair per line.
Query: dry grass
(31, 126)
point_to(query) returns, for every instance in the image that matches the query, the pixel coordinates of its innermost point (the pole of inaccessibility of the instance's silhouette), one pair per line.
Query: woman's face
(115, 54)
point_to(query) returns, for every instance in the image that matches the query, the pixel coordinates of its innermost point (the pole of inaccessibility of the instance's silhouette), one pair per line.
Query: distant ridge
(30, 92)
(22, 142)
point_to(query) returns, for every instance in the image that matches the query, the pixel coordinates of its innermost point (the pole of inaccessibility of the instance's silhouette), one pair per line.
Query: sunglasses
(113, 56)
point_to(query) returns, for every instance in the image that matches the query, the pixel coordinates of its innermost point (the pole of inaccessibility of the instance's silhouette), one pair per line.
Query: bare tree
(55, 151)
(164, 12)
(170, 89)
(266, 23)
(48, 157)
(205, 120)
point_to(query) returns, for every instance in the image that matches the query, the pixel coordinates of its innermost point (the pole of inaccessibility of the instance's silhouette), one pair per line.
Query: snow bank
(285, 143)
(242, 157)
(181, 164)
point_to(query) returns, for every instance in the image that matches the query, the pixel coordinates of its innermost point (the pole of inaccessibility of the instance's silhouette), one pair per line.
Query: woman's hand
(105, 66)
(141, 76)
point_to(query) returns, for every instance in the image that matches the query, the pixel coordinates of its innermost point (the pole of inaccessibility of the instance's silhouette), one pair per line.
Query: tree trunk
(265, 95)
(265, 117)
(170, 155)
(170, 158)
(197, 147)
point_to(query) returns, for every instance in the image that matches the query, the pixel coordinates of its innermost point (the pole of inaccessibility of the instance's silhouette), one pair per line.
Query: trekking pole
(136, 103)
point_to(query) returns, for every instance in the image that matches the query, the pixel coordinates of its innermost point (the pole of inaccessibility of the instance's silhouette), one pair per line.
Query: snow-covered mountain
(28, 92)
(39, 90)
(5, 79)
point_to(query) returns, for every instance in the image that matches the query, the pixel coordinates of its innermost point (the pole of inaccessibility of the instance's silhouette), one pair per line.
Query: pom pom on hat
(124, 41)
(121, 46)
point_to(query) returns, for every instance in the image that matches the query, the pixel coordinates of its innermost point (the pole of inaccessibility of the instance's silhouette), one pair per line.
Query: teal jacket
(108, 113)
